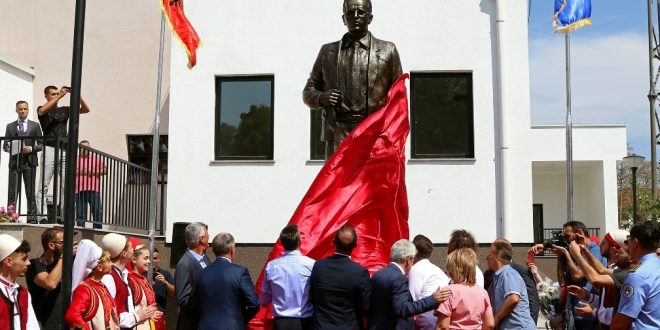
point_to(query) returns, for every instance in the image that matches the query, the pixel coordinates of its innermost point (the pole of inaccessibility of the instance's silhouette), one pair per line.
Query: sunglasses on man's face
(356, 13)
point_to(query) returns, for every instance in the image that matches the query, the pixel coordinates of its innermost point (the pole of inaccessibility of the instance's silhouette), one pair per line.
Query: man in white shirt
(424, 278)
(16, 311)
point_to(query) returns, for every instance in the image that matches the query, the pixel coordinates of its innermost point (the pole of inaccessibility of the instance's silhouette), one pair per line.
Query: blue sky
(609, 69)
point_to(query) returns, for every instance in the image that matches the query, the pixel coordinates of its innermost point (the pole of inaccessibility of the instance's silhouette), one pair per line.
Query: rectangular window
(317, 147)
(244, 117)
(442, 115)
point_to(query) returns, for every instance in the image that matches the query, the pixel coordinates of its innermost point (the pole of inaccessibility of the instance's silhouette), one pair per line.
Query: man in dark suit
(190, 264)
(340, 287)
(24, 163)
(392, 306)
(351, 77)
(224, 291)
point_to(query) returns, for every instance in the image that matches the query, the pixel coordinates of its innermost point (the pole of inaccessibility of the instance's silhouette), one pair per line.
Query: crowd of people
(614, 285)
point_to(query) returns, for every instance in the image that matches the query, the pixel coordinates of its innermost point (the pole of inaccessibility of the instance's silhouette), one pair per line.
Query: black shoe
(32, 220)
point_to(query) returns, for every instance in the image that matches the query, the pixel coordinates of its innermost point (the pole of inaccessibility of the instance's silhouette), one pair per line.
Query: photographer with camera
(609, 280)
(568, 273)
(53, 120)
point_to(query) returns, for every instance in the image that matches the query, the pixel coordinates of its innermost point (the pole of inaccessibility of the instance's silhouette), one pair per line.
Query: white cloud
(609, 83)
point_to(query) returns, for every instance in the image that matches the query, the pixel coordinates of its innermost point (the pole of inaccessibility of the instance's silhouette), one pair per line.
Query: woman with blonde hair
(143, 293)
(468, 306)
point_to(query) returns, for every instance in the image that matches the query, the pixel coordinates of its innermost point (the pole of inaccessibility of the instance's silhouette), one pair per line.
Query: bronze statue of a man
(351, 77)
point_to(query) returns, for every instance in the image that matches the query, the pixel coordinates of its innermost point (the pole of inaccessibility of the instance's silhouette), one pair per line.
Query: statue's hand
(330, 98)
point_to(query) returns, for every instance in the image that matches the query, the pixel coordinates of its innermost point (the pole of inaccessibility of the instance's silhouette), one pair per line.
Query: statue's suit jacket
(384, 70)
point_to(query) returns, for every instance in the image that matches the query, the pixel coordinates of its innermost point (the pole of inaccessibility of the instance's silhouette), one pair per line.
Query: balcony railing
(111, 193)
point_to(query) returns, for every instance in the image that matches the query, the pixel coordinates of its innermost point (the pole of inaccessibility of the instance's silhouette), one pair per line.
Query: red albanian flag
(173, 11)
(362, 184)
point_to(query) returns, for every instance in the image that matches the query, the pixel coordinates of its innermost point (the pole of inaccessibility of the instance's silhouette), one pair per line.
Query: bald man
(340, 287)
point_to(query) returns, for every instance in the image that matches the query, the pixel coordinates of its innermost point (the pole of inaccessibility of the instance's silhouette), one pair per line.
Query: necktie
(21, 125)
(353, 76)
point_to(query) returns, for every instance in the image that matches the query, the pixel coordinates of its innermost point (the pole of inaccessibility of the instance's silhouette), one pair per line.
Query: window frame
(218, 80)
(413, 127)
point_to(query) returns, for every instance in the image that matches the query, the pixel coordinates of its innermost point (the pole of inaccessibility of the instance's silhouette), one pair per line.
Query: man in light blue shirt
(507, 291)
(286, 284)
(639, 306)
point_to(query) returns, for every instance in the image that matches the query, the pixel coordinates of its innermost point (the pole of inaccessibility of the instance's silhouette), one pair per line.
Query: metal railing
(111, 193)
(547, 232)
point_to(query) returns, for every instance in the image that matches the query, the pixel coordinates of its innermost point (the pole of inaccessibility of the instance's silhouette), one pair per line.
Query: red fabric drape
(362, 184)
(184, 31)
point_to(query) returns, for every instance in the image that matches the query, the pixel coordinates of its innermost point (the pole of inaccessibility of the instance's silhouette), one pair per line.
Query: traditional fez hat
(113, 243)
(616, 238)
(8, 244)
(136, 244)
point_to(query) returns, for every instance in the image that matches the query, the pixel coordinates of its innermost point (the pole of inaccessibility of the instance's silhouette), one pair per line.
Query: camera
(557, 239)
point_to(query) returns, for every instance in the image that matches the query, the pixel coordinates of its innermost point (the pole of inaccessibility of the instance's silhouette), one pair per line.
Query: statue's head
(357, 16)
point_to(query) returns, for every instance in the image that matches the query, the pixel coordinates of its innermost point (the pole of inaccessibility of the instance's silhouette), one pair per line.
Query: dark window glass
(317, 147)
(244, 118)
(442, 115)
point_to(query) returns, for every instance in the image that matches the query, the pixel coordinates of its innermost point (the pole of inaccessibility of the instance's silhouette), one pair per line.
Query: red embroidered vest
(140, 288)
(121, 291)
(7, 310)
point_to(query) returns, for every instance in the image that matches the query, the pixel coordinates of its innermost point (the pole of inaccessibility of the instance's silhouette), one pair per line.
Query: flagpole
(652, 98)
(71, 153)
(569, 132)
(155, 148)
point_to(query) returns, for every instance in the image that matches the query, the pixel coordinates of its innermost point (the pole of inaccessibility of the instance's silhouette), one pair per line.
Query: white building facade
(277, 42)
(464, 182)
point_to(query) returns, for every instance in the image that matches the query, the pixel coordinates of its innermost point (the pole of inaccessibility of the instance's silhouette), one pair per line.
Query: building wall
(550, 191)
(120, 61)
(596, 149)
(16, 82)
(254, 200)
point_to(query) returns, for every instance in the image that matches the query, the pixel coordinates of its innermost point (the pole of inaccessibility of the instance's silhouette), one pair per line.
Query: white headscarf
(87, 257)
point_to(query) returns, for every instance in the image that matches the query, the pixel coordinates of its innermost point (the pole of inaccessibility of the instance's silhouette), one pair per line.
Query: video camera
(557, 239)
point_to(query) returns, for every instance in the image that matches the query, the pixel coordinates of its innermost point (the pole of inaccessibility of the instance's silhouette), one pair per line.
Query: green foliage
(252, 138)
(647, 206)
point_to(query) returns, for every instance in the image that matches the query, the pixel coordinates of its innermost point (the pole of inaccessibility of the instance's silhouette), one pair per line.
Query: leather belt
(350, 117)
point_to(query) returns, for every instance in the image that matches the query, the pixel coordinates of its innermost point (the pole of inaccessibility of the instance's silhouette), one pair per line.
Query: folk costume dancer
(143, 294)
(92, 306)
